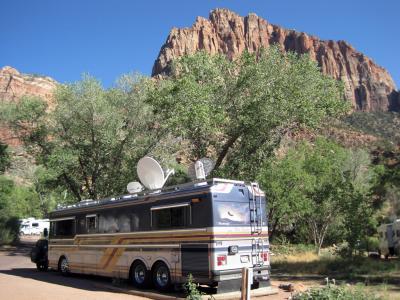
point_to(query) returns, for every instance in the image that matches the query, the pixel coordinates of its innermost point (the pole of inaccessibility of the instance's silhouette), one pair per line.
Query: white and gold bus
(210, 229)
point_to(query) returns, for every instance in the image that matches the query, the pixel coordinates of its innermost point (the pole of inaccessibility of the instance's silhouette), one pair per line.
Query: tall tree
(320, 184)
(91, 138)
(237, 111)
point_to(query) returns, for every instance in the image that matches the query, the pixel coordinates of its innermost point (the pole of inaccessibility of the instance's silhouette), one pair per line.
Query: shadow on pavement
(86, 282)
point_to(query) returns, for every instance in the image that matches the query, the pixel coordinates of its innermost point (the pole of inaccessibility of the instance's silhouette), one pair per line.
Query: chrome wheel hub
(140, 274)
(64, 266)
(162, 276)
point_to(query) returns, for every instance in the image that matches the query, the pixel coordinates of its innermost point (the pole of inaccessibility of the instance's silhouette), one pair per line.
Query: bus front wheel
(139, 275)
(161, 277)
(63, 266)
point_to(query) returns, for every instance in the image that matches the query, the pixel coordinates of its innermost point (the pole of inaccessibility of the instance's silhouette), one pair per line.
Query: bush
(331, 291)
(191, 289)
(9, 229)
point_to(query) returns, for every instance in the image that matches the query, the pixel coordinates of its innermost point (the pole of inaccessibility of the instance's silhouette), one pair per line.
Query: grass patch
(332, 291)
(332, 265)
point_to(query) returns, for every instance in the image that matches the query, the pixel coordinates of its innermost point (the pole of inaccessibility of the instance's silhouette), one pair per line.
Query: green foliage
(381, 124)
(332, 291)
(89, 142)
(191, 289)
(318, 186)
(16, 202)
(9, 229)
(237, 111)
(4, 157)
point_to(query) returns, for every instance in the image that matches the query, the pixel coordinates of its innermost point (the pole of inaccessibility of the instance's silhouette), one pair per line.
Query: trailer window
(170, 217)
(35, 224)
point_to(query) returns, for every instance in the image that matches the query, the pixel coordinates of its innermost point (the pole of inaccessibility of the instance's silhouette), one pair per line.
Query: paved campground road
(19, 280)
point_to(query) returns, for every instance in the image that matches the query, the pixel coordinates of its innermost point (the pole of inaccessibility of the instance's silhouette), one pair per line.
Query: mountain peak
(368, 86)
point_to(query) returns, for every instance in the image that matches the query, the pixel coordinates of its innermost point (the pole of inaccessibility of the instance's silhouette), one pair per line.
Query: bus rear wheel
(139, 275)
(161, 277)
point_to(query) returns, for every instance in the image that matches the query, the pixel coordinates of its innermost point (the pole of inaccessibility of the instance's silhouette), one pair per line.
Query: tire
(139, 275)
(42, 266)
(63, 266)
(161, 277)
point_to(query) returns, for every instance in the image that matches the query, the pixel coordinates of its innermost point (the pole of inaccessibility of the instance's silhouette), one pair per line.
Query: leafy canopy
(237, 111)
(90, 139)
(316, 186)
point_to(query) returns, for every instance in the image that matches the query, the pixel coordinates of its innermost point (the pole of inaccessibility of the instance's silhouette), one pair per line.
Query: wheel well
(59, 261)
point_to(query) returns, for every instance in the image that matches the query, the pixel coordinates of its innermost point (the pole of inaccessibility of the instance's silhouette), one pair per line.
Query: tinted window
(111, 222)
(35, 224)
(64, 228)
(170, 217)
(91, 224)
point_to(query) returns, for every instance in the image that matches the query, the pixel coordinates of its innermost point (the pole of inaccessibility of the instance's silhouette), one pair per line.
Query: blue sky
(106, 39)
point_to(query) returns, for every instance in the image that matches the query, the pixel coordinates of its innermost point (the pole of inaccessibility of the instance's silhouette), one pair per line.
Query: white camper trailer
(389, 239)
(32, 226)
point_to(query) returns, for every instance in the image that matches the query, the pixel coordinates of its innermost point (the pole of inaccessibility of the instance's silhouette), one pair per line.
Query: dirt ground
(20, 280)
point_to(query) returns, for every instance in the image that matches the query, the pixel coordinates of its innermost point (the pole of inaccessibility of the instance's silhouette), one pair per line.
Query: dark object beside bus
(39, 255)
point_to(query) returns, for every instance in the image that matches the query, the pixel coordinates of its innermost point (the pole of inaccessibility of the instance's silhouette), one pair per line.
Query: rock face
(14, 85)
(368, 86)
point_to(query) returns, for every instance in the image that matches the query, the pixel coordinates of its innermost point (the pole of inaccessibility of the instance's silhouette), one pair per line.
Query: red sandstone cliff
(368, 86)
(14, 85)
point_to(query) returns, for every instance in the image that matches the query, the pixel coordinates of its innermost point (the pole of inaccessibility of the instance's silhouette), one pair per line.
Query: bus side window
(63, 228)
(134, 222)
(91, 224)
(108, 223)
(173, 217)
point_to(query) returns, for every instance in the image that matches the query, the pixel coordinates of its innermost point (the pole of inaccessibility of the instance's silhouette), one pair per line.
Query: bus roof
(181, 188)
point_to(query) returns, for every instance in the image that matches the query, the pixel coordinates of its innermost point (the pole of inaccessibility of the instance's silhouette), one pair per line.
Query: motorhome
(211, 229)
(389, 239)
(32, 226)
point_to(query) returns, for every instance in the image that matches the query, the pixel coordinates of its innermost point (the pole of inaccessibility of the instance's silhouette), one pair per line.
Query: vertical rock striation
(368, 86)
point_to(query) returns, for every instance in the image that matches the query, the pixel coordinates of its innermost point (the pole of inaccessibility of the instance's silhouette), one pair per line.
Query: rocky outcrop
(368, 86)
(14, 85)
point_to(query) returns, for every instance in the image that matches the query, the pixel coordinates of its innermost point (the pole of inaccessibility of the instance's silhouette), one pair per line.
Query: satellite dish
(134, 187)
(195, 173)
(151, 174)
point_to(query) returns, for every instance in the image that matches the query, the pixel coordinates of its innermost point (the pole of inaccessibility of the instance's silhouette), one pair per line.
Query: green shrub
(331, 291)
(9, 229)
(191, 289)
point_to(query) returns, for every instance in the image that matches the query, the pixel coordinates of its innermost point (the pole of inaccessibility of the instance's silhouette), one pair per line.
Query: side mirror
(45, 232)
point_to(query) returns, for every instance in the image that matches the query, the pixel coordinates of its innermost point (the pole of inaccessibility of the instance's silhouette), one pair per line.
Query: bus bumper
(230, 280)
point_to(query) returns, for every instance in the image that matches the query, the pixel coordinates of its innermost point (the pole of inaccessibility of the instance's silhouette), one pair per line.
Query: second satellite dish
(151, 174)
(134, 187)
(201, 169)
